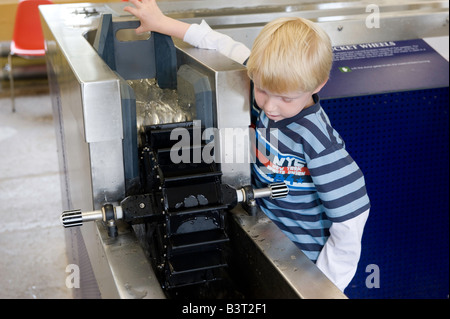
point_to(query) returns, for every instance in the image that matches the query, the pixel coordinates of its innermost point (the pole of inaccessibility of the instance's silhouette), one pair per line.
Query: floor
(33, 257)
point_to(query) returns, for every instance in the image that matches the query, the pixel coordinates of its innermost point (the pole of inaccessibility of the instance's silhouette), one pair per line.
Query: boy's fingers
(139, 30)
(131, 10)
(134, 12)
(137, 3)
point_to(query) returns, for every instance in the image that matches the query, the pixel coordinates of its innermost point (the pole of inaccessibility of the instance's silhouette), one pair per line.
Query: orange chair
(28, 40)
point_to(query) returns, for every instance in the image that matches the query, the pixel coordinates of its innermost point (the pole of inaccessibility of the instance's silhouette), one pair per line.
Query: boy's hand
(152, 19)
(148, 12)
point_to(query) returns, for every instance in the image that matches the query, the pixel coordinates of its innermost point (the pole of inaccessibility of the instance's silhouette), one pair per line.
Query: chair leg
(11, 83)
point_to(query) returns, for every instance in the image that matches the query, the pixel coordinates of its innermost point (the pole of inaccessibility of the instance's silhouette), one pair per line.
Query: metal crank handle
(73, 218)
(274, 191)
(248, 194)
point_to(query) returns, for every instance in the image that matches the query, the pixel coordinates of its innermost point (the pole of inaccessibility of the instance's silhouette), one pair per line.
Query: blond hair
(291, 54)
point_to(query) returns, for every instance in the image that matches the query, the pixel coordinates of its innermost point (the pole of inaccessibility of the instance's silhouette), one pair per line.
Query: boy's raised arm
(152, 19)
(199, 36)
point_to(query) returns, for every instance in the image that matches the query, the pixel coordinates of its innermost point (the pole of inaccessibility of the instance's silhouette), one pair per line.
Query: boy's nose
(270, 105)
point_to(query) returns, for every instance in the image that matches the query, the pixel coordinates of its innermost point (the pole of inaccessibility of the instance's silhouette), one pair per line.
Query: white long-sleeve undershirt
(203, 37)
(339, 257)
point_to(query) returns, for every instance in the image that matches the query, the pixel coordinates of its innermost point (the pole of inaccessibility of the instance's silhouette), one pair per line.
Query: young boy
(327, 206)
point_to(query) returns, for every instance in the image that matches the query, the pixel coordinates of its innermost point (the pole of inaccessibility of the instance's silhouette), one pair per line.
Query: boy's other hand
(148, 12)
(152, 19)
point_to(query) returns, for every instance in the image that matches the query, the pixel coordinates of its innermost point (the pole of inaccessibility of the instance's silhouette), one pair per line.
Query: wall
(8, 13)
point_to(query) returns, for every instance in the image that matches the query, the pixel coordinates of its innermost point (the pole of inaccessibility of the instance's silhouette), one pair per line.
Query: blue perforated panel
(401, 142)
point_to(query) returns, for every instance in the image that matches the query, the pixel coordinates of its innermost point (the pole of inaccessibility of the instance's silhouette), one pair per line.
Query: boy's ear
(320, 86)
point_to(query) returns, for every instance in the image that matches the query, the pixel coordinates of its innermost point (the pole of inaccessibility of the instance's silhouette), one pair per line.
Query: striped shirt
(325, 184)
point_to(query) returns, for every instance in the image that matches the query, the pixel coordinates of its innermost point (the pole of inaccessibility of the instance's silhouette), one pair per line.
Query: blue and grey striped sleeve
(339, 183)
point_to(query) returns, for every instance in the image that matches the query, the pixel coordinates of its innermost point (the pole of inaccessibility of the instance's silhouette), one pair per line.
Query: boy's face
(281, 106)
